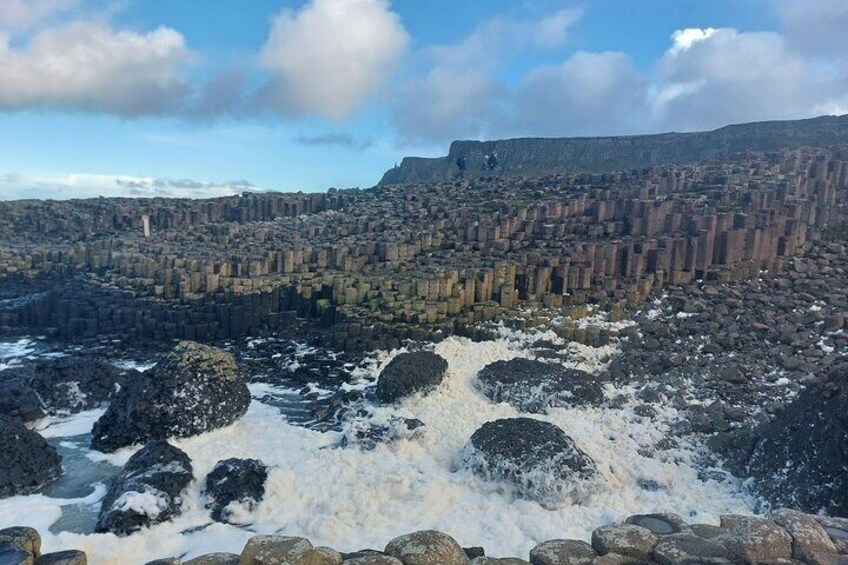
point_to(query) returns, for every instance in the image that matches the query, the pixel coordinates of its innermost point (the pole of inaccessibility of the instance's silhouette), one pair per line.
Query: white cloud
(63, 187)
(710, 78)
(501, 37)
(458, 96)
(589, 94)
(89, 66)
(817, 26)
(18, 15)
(331, 56)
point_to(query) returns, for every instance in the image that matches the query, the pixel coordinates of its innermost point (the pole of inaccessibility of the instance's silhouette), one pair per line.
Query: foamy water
(352, 499)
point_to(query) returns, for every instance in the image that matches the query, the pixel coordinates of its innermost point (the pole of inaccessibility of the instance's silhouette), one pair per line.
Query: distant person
(461, 165)
(491, 161)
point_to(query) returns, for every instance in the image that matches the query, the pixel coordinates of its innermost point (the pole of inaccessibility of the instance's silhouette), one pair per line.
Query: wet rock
(533, 386)
(751, 539)
(373, 560)
(320, 556)
(660, 523)
(800, 462)
(18, 400)
(410, 373)
(707, 531)
(474, 552)
(65, 385)
(624, 539)
(837, 530)
(69, 557)
(214, 559)
(498, 561)
(618, 559)
(147, 491)
(12, 556)
(427, 547)
(236, 482)
(28, 462)
(274, 550)
(685, 549)
(24, 539)
(537, 458)
(368, 435)
(808, 536)
(562, 552)
(193, 389)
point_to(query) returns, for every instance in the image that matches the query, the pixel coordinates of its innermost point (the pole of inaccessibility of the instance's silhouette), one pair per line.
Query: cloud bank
(63, 187)
(89, 66)
(328, 58)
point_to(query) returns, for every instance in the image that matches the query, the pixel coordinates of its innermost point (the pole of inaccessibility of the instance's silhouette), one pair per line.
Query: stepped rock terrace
(407, 261)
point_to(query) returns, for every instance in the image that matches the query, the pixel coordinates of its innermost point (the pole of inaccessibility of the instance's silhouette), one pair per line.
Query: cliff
(535, 156)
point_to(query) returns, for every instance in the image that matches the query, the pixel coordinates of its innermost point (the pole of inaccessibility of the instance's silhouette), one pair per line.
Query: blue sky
(207, 97)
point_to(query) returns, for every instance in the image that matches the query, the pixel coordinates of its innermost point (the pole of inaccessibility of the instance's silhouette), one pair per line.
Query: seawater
(351, 499)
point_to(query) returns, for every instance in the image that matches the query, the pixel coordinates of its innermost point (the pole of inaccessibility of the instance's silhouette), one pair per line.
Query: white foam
(351, 499)
(11, 352)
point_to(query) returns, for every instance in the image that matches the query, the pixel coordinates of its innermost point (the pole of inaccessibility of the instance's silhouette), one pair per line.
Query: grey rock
(147, 491)
(373, 560)
(21, 538)
(274, 550)
(410, 373)
(686, 549)
(660, 523)
(193, 389)
(498, 561)
(69, 557)
(533, 386)
(800, 460)
(750, 539)
(562, 552)
(427, 547)
(235, 480)
(808, 536)
(214, 559)
(28, 461)
(624, 539)
(540, 460)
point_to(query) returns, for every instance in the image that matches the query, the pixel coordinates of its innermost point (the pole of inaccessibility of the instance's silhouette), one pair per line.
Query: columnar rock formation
(406, 261)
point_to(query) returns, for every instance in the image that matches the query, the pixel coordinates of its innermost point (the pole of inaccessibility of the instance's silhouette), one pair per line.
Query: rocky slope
(534, 156)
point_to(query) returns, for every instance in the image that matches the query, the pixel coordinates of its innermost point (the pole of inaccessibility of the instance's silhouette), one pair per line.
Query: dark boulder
(539, 459)
(193, 389)
(147, 491)
(801, 458)
(64, 385)
(28, 462)
(533, 386)
(408, 373)
(240, 481)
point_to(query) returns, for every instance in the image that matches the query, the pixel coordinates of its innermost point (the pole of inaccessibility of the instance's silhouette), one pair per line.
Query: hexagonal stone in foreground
(427, 547)
(498, 561)
(562, 552)
(662, 524)
(624, 539)
(751, 539)
(274, 550)
(214, 559)
(373, 560)
(680, 549)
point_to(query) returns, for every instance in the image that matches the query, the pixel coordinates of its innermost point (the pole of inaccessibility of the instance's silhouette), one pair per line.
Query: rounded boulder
(410, 373)
(537, 458)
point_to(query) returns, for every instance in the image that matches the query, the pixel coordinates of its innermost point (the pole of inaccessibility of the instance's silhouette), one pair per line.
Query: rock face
(529, 156)
(235, 487)
(802, 459)
(408, 373)
(57, 386)
(28, 462)
(427, 547)
(194, 389)
(147, 491)
(533, 386)
(274, 550)
(536, 457)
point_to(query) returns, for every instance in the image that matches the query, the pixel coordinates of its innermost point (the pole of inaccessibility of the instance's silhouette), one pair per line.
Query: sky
(202, 98)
